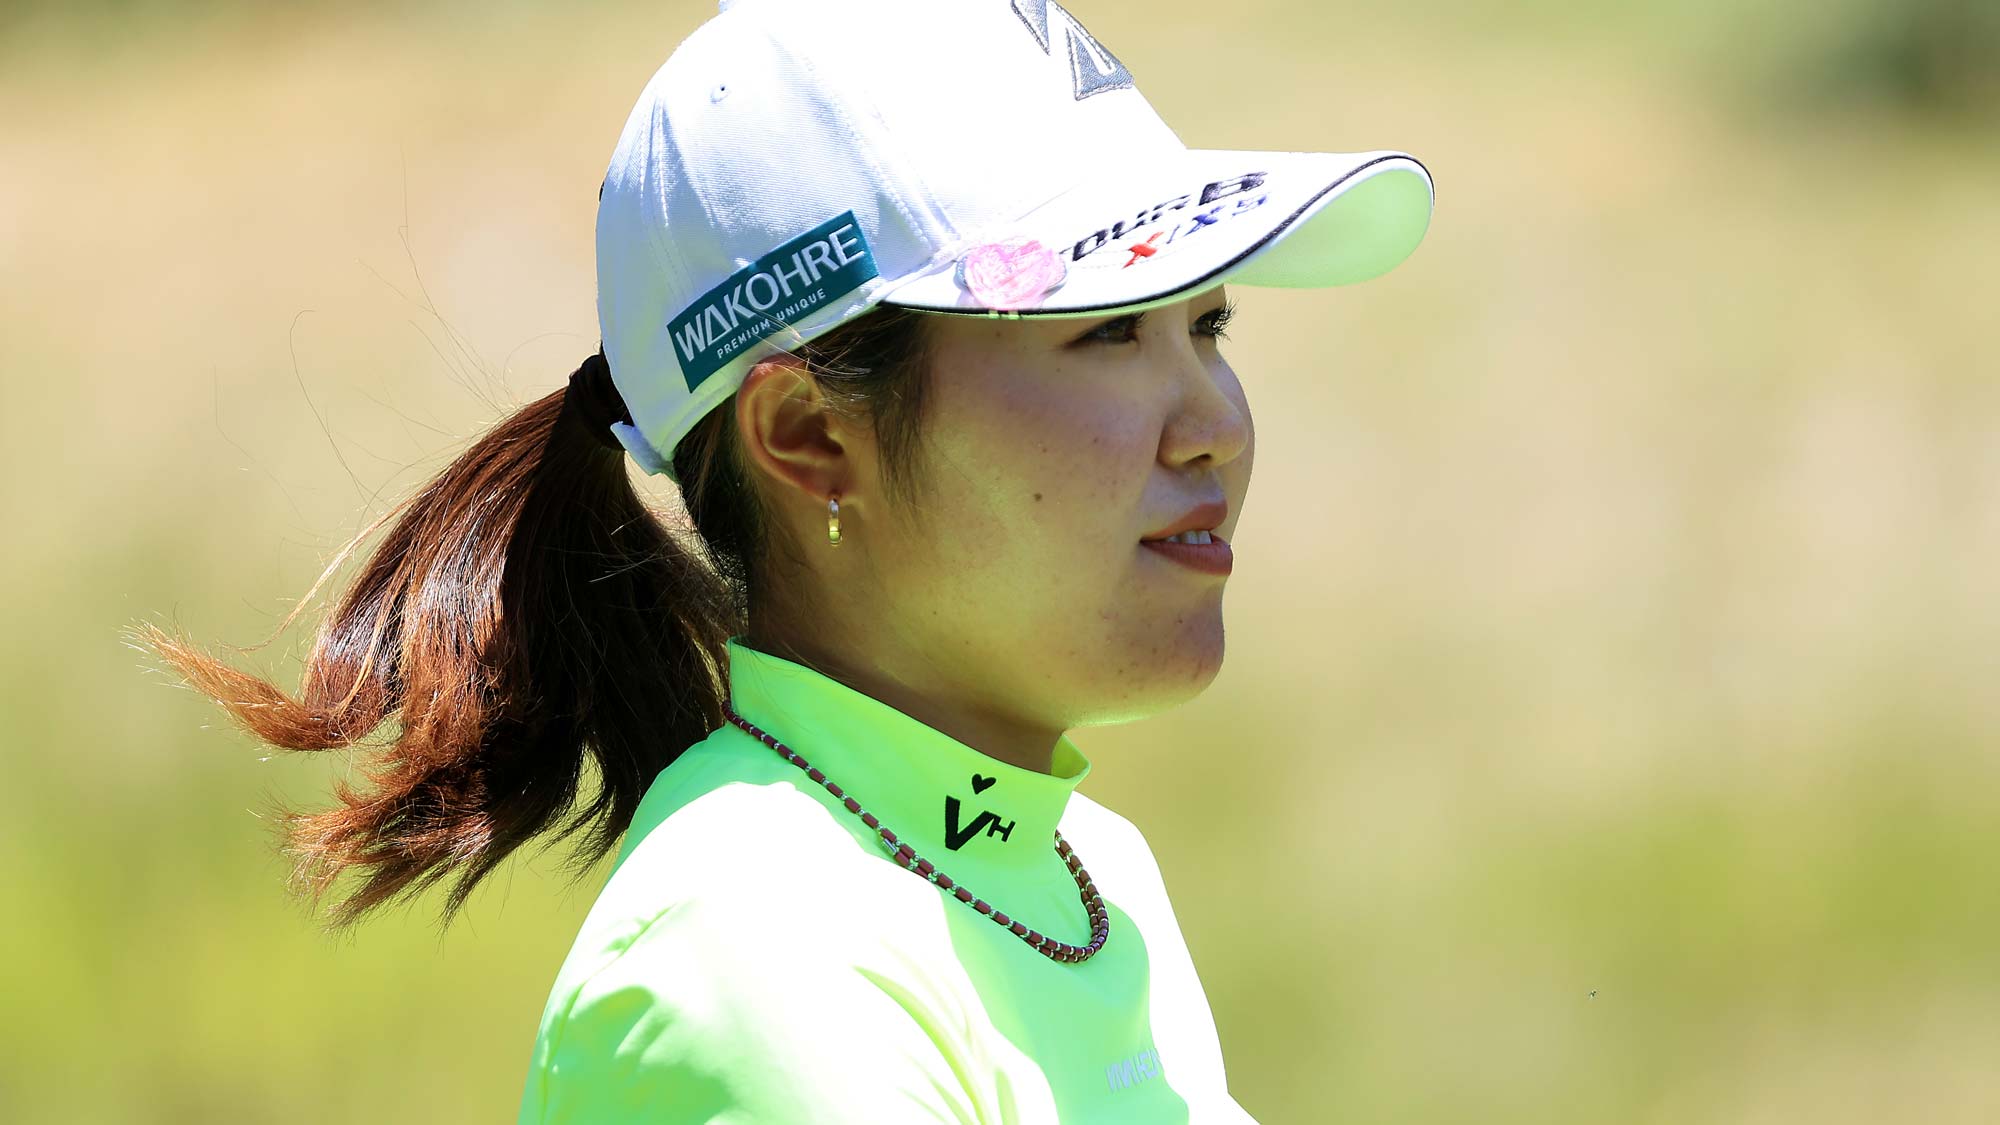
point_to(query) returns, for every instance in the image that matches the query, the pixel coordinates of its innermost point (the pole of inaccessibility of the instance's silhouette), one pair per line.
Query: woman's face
(1052, 447)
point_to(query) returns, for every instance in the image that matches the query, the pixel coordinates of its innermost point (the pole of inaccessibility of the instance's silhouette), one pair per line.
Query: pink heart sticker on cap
(1013, 274)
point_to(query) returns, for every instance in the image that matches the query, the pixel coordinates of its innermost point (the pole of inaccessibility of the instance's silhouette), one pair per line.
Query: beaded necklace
(906, 856)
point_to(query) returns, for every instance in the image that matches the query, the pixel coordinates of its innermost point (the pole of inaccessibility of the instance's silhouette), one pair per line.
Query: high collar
(930, 789)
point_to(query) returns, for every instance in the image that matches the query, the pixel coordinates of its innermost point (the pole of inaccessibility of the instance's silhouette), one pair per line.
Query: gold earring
(833, 520)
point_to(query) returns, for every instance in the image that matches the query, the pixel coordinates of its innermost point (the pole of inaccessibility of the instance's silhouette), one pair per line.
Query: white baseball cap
(795, 163)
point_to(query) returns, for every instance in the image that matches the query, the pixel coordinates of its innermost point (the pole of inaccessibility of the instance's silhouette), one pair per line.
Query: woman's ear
(789, 431)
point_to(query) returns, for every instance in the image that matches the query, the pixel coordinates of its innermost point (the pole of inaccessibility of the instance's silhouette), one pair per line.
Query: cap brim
(1200, 217)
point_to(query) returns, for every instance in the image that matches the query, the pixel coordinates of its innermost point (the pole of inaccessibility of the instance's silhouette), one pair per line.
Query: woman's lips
(1213, 557)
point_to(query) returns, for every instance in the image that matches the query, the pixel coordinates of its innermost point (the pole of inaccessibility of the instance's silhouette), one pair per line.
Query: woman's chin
(1202, 664)
(1160, 677)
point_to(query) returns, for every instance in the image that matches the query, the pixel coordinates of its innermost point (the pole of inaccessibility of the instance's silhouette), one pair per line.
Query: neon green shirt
(756, 956)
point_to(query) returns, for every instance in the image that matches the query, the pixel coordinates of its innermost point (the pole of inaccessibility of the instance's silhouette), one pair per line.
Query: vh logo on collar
(955, 837)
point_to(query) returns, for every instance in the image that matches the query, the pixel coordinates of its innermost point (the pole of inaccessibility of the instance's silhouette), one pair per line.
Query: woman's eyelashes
(1217, 320)
(1125, 329)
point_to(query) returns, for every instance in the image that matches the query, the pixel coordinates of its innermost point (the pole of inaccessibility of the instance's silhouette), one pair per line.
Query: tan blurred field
(1609, 727)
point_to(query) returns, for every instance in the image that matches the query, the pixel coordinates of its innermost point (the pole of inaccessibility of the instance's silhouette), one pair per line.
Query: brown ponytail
(527, 611)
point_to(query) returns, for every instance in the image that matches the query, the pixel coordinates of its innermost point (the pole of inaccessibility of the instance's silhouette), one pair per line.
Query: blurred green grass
(1615, 606)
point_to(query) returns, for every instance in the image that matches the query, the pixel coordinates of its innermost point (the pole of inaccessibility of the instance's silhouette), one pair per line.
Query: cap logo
(1145, 249)
(1093, 69)
(1014, 274)
(814, 269)
(1235, 190)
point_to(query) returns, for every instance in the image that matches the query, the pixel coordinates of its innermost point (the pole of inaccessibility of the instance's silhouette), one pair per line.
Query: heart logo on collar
(980, 784)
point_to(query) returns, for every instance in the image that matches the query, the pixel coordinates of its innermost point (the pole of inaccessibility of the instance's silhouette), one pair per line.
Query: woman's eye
(1125, 329)
(1122, 330)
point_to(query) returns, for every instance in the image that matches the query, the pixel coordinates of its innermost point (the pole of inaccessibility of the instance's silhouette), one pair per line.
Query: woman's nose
(1210, 425)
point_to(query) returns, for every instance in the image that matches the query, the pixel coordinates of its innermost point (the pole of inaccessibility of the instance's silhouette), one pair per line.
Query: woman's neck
(935, 704)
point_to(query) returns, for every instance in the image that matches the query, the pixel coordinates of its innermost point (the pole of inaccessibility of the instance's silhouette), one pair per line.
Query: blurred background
(1609, 726)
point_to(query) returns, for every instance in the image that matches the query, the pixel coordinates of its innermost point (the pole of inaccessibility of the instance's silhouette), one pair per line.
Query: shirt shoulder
(710, 980)
(719, 838)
